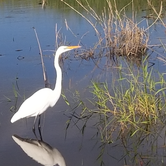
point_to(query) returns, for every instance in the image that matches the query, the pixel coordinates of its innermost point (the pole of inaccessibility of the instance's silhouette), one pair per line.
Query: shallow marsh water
(20, 69)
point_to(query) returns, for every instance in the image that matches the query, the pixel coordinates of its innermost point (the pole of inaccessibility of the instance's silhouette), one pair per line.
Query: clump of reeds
(129, 40)
(123, 35)
(117, 34)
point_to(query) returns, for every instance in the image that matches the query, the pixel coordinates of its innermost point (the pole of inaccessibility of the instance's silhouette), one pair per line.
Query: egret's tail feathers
(15, 118)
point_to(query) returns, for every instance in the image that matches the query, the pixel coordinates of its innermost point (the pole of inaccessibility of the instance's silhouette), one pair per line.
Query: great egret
(36, 104)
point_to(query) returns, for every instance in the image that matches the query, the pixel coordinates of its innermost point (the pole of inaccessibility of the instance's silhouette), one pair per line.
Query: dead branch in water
(41, 55)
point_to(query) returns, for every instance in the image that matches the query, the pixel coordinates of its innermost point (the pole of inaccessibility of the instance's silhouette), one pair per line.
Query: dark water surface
(20, 70)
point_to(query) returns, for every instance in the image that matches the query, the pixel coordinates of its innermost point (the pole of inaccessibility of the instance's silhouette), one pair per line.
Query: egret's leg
(33, 129)
(39, 128)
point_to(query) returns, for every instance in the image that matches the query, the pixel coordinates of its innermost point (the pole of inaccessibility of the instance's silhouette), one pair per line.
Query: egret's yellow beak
(73, 47)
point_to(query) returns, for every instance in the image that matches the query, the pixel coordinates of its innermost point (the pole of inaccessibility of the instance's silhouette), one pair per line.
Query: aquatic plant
(133, 103)
(130, 106)
(16, 94)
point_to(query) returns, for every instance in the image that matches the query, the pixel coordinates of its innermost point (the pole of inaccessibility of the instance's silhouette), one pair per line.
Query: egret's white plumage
(43, 98)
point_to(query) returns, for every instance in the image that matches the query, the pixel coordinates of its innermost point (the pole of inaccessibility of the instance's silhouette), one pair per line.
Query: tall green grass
(133, 103)
(131, 106)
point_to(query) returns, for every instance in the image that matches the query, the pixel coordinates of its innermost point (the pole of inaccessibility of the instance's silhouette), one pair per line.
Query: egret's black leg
(33, 129)
(39, 128)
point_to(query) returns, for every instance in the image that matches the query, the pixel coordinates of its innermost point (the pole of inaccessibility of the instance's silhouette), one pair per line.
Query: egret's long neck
(58, 84)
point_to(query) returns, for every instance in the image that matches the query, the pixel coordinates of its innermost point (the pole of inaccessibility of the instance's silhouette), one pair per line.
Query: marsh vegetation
(129, 106)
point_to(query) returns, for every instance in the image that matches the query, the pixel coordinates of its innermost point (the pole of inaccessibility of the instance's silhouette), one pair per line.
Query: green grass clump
(132, 104)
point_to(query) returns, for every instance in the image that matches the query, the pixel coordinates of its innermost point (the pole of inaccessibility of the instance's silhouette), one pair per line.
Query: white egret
(38, 103)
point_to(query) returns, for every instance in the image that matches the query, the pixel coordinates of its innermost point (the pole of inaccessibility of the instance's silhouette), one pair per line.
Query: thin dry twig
(157, 13)
(58, 37)
(97, 32)
(44, 2)
(41, 55)
(68, 28)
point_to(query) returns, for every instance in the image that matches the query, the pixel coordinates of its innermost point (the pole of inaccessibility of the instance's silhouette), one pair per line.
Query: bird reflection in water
(40, 151)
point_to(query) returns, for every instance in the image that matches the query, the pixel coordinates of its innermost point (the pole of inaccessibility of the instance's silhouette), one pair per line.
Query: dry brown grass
(121, 35)
(128, 40)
